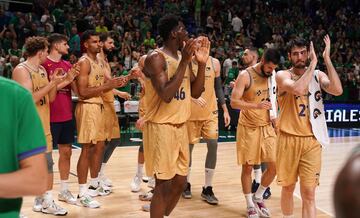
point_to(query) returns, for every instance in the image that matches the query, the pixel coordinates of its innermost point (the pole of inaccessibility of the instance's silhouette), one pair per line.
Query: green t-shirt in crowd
(232, 75)
(21, 136)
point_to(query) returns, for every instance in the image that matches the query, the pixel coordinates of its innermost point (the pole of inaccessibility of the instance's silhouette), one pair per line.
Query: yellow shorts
(255, 144)
(49, 144)
(166, 150)
(298, 156)
(89, 123)
(112, 130)
(208, 129)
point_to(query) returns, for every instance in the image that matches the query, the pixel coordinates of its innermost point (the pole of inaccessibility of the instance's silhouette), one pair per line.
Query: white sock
(188, 175)
(249, 201)
(259, 193)
(288, 216)
(64, 185)
(102, 169)
(82, 189)
(209, 174)
(257, 174)
(47, 196)
(139, 172)
(94, 182)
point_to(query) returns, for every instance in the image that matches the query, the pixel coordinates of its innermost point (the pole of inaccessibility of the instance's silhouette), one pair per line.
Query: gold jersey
(257, 92)
(178, 110)
(96, 79)
(207, 112)
(294, 114)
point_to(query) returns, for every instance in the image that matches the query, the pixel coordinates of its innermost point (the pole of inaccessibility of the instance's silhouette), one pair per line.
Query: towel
(272, 94)
(317, 112)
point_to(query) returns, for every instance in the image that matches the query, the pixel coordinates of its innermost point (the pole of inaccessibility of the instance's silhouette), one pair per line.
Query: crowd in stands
(231, 25)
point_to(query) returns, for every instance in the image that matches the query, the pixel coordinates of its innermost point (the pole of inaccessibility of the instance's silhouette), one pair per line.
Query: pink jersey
(61, 108)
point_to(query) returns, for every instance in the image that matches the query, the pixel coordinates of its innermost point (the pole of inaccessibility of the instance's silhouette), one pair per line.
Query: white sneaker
(22, 215)
(146, 207)
(101, 190)
(146, 196)
(87, 201)
(38, 204)
(52, 208)
(135, 184)
(151, 182)
(67, 197)
(106, 181)
(260, 207)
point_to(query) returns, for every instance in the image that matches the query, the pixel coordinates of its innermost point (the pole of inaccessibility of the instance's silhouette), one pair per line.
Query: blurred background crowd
(231, 25)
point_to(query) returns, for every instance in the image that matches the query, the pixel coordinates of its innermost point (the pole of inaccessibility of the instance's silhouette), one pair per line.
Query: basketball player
(61, 118)
(203, 122)
(299, 152)
(89, 114)
(169, 85)
(32, 76)
(112, 130)
(250, 58)
(255, 134)
(23, 146)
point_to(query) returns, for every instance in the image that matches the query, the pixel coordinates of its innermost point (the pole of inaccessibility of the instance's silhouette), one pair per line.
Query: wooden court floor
(227, 186)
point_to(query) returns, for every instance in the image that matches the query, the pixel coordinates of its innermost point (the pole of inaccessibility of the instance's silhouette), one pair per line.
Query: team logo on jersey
(258, 93)
(42, 75)
(208, 68)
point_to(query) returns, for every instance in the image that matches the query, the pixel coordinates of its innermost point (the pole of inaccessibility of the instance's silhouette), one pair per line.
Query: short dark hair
(253, 49)
(297, 42)
(104, 36)
(35, 44)
(87, 34)
(272, 55)
(166, 24)
(56, 38)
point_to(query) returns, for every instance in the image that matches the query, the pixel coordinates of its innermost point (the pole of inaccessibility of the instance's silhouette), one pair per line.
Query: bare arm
(330, 83)
(301, 86)
(31, 179)
(21, 75)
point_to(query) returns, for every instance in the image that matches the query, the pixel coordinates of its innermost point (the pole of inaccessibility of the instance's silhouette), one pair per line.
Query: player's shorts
(255, 144)
(298, 156)
(63, 132)
(208, 129)
(166, 150)
(89, 123)
(112, 130)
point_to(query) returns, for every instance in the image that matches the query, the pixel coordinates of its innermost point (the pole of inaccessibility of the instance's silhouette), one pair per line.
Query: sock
(188, 175)
(47, 196)
(259, 193)
(209, 174)
(249, 201)
(64, 185)
(139, 172)
(94, 182)
(82, 189)
(288, 216)
(257, 174)
(102, 169)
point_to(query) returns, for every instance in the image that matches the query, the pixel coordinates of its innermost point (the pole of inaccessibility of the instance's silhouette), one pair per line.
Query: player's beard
(107, 52)
(263, 72)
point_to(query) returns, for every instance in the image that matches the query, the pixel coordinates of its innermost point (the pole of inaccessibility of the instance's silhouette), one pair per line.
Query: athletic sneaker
(187, 191)
(251, 212)
(260, 207)
(147, 196)
(52, 208)
(22, 215)
(87, 201)
(38, 204)
(255, 186)
(267, 193)
(151, 182)
(208, 195)
(106, 181)
(146, 207)
(101, 190)
(135, 184)
(145, 179)
(67, 197)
